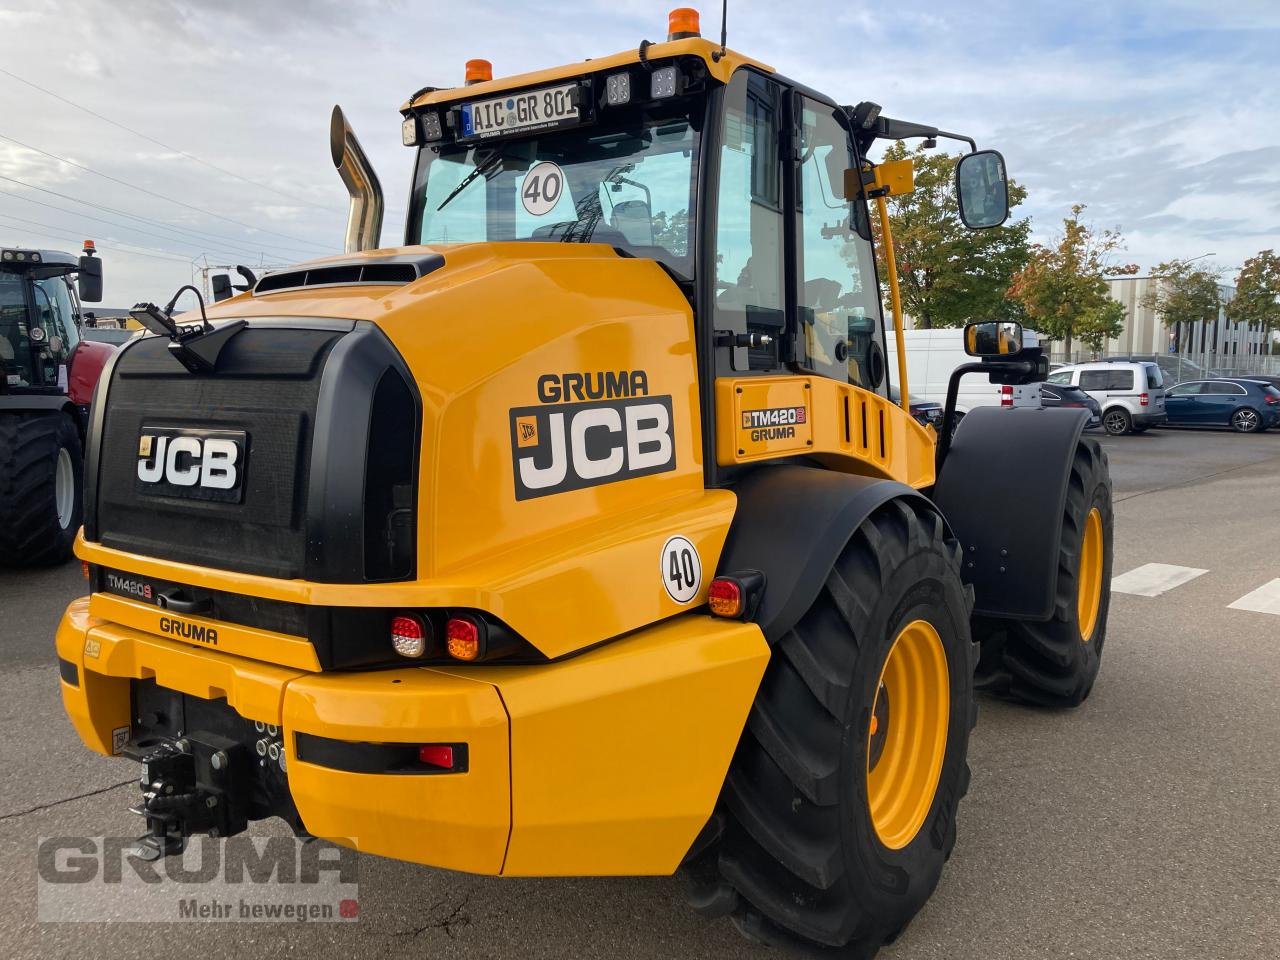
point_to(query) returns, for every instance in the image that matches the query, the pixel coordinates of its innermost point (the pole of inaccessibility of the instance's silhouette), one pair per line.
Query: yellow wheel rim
(907, 735)
(1089, 576)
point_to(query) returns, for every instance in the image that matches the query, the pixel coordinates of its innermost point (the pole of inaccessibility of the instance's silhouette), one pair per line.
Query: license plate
(190, 463)
(521, 112)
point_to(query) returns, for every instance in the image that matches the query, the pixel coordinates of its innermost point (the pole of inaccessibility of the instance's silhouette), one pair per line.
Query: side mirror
(993, 339)
(89, 283)
(982, 189)
(221, 287)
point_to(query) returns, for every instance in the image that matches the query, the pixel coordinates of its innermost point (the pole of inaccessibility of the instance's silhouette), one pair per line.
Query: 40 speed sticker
(681, 569)
(542, 188)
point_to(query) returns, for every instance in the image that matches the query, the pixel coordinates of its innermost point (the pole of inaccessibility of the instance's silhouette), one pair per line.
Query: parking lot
(1143, 824)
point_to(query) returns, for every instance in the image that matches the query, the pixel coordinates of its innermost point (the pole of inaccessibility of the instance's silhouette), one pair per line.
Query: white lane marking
(1153, 579)
(1266, 599)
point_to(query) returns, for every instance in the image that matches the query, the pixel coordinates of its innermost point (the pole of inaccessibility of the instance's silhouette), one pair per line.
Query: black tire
(31, 445)
(1117, 422)
(1050, 663)
(1246, 420)
(798, 861)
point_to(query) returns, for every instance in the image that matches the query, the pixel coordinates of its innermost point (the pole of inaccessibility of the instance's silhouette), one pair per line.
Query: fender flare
(791, 523)
(1003, 489)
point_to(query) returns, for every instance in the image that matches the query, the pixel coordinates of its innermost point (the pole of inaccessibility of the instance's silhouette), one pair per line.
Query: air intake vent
(360, 271)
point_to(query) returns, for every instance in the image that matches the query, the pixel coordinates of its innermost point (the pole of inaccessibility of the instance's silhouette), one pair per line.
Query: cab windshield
(628, 182)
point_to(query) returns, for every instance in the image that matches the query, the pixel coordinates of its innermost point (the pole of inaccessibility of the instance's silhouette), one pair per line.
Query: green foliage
(1063, 288)
(950, 275)
(1185, 293)
(1257, 299)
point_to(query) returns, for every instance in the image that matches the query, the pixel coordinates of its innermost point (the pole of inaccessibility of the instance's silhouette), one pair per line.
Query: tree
(1184, 294)
(1063, 288)
(1257, 298)
(949, 274)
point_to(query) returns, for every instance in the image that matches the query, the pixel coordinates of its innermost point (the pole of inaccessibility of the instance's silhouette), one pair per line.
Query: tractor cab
(40, 315)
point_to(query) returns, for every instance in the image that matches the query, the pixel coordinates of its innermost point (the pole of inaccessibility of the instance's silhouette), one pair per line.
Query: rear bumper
(1149, 419)
(607, 763)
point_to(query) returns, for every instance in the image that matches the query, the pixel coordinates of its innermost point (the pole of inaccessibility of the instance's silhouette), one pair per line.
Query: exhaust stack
(364, 221)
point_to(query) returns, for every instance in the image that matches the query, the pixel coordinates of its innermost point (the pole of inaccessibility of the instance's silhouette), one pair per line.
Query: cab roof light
(431, 128)
(90, 248)
(464, 638)
(682, 23)
(409, 131)
(478, 71)
(664, 82)
(736, 596)
(617, 89)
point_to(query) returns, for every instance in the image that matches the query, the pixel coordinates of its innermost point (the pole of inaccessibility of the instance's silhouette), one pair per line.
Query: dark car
(1244, 405)
(928, 413)
(1065, 395)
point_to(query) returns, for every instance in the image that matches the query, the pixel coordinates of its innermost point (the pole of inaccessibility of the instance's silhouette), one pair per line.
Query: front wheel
(1055, 662)
(1246, 420)
(41, 488)
(839, 809)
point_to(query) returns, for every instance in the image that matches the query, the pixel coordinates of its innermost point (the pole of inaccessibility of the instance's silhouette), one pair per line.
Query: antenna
(724, 33)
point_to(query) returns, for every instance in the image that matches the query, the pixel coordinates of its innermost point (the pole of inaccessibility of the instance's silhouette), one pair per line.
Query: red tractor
(47, 376)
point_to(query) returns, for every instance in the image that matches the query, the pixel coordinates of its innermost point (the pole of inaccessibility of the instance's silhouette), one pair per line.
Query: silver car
(1130, 392)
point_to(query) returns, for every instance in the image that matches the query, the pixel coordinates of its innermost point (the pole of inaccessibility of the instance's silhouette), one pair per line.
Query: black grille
(394, 270)
(266, 385)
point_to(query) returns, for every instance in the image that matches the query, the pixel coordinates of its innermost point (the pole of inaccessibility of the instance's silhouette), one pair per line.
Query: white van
(932, 355)
(1131, 392)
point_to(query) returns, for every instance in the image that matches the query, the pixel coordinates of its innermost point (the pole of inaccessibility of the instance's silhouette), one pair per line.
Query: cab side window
(838, 298)
(749, 288)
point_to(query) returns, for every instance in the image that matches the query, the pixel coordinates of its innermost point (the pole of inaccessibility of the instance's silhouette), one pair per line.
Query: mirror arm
(871, 124)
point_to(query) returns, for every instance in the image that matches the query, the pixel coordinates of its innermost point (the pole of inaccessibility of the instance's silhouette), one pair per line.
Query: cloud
(1159, 114)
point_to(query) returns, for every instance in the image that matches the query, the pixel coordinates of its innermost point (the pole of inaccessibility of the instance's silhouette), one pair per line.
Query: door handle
(175, 600)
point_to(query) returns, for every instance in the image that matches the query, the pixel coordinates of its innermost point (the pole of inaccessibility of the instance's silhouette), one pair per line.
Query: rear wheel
(1246, 420)
(1117, 421)
(1055, 662)
(41, 492)
(839, 808)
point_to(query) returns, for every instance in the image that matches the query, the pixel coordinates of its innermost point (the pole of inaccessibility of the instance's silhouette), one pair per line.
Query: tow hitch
(205, 769)
(190, 787)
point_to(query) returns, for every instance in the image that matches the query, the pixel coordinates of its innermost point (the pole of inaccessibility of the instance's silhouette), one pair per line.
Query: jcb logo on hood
(571, 446)
(200, 464)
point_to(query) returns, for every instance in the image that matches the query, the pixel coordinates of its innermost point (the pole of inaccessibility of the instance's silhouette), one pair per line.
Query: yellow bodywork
(609, 762)
(610, 757)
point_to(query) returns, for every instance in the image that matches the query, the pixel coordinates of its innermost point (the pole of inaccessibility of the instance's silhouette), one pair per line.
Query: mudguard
(791, 523)
(1003, 489)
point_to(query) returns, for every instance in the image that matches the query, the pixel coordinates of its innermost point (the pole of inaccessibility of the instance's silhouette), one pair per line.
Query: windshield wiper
(483, 168)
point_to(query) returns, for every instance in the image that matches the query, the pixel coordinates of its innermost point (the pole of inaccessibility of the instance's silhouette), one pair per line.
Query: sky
(1162, 117)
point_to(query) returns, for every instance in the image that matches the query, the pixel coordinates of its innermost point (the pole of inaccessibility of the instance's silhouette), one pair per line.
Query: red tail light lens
(1144, 399)
(409, 635)
(1273, 399)
(1072, 403)
(1006, 396)
(725, 598)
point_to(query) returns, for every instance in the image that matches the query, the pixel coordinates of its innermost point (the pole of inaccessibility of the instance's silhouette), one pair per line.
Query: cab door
(838, 329)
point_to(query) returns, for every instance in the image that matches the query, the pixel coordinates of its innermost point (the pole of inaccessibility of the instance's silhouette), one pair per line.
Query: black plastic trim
(93, 440)
(336, 484)
(69, 672)
(393, 269)
(791, 524)
(377, 758)
(1003, 489)
(35, 402)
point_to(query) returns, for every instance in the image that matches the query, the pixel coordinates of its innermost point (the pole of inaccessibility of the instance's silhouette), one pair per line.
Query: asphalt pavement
(1145, 824)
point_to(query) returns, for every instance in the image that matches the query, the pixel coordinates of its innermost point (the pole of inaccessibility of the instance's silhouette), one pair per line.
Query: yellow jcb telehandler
(580, 535)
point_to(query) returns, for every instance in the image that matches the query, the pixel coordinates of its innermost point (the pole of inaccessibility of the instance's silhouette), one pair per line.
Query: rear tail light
(1270, 399)
(409, 633)
(736, 596)
(1144, 399)
(1006, 396)
(1073, 403)
(464, 638)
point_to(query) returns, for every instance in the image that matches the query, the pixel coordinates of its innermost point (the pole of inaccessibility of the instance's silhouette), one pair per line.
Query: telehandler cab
(579, 535)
